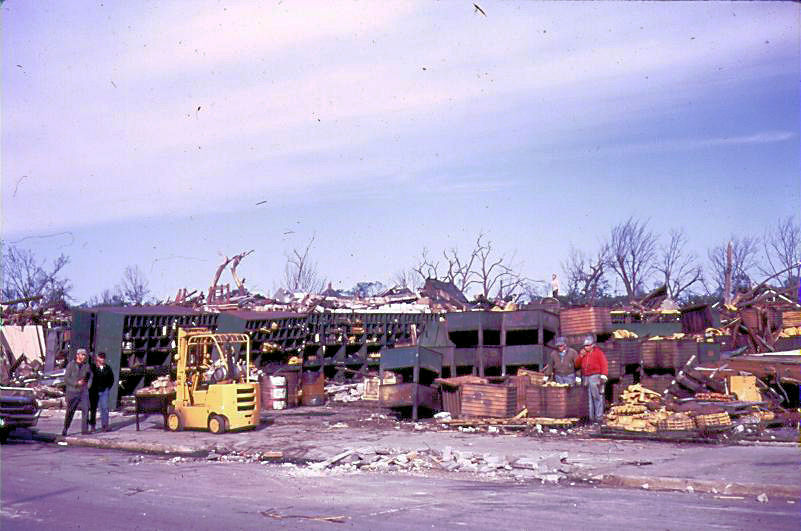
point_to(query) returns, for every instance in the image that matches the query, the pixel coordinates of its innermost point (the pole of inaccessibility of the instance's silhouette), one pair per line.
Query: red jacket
(592, 362)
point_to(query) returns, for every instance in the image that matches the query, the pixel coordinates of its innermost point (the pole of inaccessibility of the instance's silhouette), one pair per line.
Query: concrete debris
(428, 459)
(346, 392)
(762, 498)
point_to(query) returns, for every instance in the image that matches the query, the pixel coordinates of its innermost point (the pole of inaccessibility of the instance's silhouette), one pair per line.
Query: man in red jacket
(594, 372)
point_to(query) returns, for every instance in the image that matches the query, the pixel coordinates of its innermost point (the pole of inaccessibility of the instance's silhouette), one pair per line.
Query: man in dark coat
(78, 379)
(561, 363)
(102, 382)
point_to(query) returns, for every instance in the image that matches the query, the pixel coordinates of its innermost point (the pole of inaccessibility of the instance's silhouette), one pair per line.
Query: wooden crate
(791, 318)
(649, 354)
(576, 321)
(521, 382)
(675, 353)
(713, 420)
(614, 359)
(629, 350)
(534, 401)
(676, 423)
(750, 318)
(566, 402)
(451, 397)
(488, 400)
(557, 402)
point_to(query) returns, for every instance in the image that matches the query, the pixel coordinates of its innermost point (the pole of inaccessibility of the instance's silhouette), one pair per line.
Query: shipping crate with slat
(649, 354)
(614, 359)
(576, 321)
(557, 402)
(791, 318)
(629, 350)
(489, 400)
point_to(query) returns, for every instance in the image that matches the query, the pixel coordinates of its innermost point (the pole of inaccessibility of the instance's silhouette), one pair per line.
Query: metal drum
(313, 388)
(273, 392)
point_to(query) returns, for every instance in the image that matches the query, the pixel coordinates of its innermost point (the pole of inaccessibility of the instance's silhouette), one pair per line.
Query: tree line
(639, 259)
(631, 258)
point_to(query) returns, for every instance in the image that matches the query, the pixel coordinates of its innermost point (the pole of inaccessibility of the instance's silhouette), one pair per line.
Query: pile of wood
(633, 413)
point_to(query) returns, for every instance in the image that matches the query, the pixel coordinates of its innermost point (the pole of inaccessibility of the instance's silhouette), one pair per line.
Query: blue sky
(382, 128)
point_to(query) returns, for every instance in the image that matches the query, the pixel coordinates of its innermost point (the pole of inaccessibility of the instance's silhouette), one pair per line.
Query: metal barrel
(273, 392)
(313, 388)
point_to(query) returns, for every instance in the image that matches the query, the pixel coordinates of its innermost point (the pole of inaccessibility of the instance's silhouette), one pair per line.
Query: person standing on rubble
(561, 363)
(102, 381)
(78, 380)
(594, 372)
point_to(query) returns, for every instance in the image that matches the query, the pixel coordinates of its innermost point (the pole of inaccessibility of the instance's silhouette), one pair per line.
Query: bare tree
(408, 278)
(481, 269)
(743, 264)
(426, 266)
(26, 277)
(366, 289)
(134, 288)
(782, 251)
(300, 271)
(679, 267)
(108, 297)
(586, 275)
(493, 272)
(632, 252)
(460, 268)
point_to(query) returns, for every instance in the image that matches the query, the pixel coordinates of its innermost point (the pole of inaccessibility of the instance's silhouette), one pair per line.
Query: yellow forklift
(213, 390)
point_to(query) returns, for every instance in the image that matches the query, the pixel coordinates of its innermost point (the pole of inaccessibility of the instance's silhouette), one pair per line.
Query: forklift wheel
(174, 422)
(217, 424)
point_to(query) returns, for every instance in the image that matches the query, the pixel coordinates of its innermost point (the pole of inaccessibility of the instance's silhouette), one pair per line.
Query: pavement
(321, 434)
(47, 486)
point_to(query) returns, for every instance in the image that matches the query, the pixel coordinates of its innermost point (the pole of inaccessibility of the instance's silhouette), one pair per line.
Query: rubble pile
(161, 385)
(551, 468)
(345, 392)
(705, 414)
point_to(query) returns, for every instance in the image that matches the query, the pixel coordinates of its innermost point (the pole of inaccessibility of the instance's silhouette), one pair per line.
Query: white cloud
(298, 96)
(683, 144)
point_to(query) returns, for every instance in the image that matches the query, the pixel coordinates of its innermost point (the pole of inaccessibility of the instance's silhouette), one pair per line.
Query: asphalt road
(45, 486)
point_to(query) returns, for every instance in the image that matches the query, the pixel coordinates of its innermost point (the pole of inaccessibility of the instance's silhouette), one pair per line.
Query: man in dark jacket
(102, 382)
(561, 363)
(78, 379)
